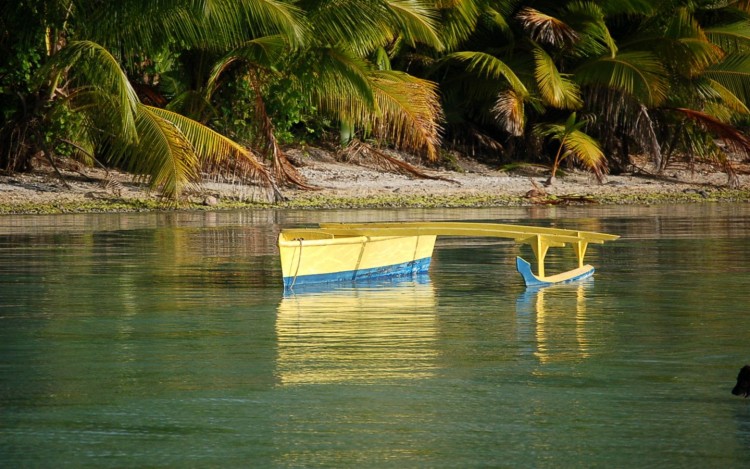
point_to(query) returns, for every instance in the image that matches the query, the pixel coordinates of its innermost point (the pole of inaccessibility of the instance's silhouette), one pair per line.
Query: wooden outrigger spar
(540, 239)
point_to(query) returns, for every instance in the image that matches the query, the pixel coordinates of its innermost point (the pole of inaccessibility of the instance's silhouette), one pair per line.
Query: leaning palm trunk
(283, 171)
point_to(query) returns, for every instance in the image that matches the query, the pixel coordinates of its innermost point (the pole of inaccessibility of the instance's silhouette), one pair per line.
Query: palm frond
(733, 73)
(546, 29)
(339, 82)
(696, 55)
(732, 37)
(557, 90)
(409, 111)
(364, 25)
(214, 149)
(269, 17)
(639, 74)
(262, 52)
(687, 45)
(586, 150)
(731, 136)
(459, 20)
(222, 24)
(489, 66)
(417, 21)
(720, 111)
(498, 19)
(727, 98)
(93, 67)
(163, 154)
(509, 112)
(574, 143)
(595, 37)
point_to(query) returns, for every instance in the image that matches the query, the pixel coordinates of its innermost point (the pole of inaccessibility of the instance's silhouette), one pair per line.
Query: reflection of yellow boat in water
(553, 319)
(357, 334)
(353, 251)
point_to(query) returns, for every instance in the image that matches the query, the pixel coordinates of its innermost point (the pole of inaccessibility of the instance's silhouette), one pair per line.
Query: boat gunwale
(335, 239)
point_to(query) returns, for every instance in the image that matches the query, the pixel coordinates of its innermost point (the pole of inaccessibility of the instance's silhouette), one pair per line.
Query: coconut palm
(515, 70)
(339, 67)
(686, 84)
(85, 81)
(660, 76)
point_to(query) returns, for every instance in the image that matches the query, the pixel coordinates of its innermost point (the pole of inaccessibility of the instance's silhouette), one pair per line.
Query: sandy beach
(349, 184)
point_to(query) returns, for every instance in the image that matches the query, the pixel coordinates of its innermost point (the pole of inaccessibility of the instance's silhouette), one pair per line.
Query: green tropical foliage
(191, 88)
(574, 143)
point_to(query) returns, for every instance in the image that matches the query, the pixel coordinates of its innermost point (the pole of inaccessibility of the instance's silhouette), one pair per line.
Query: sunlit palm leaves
(365, 25)
(213, 150)
(408, 111)
(573, 143)
(733, 74)
(557, 90)
(170, 161)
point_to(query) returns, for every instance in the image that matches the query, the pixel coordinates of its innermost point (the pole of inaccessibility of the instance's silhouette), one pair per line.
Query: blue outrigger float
(353, 251)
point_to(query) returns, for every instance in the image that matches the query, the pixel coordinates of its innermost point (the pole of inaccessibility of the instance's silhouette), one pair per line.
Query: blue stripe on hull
(418, 266)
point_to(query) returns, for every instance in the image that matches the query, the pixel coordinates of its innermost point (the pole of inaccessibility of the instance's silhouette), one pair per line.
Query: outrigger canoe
(334, 252)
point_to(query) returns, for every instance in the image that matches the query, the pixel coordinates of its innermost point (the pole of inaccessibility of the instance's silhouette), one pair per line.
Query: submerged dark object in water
(742, 388)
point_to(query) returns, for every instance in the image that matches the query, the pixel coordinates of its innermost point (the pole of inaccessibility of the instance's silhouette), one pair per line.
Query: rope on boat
(299, 263)
(361, 254)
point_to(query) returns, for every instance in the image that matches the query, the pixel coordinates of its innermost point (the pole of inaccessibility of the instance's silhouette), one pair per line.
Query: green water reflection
(167, 340)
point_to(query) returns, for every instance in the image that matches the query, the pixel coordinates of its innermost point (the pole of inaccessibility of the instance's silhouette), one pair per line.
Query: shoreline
(352, 186)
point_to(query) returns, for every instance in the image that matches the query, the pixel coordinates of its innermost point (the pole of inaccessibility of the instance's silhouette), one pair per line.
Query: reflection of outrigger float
(353, 251)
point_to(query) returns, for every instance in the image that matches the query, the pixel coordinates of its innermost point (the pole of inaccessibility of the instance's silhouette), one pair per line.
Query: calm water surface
(165, 340)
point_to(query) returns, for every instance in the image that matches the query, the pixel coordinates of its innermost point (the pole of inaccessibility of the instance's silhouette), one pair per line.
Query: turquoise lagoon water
(166, 340)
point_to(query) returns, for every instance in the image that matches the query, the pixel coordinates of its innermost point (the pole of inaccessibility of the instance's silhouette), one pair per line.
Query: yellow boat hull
(313, 256)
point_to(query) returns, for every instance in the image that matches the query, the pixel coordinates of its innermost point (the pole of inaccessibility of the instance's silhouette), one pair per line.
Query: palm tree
(84, 80)
(679, 81)
(513, 71)
(660, 77)
(332, 68)
(573, 142)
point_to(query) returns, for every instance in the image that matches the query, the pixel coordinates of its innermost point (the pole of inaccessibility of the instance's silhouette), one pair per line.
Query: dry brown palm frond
(546, 29)
(509, 112)
(734, 139)
(360, 150)
(284, 171)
